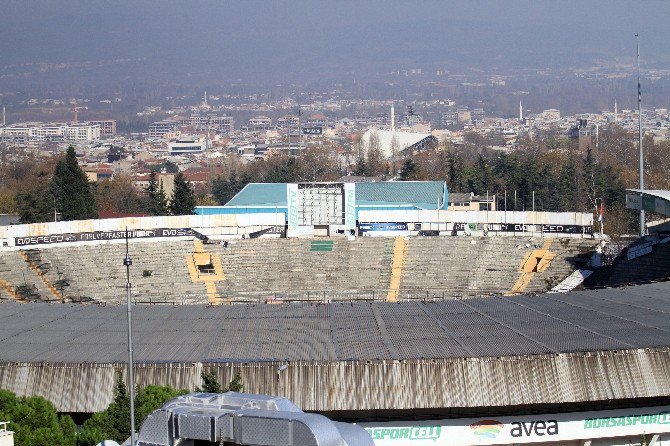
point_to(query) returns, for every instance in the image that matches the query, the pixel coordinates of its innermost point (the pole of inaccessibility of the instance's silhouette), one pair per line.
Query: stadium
(369, 303)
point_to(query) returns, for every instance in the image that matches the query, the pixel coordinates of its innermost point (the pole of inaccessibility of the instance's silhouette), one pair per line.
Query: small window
(484, 206)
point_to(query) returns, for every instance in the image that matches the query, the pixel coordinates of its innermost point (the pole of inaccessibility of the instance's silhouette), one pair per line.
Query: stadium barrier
(114, 229)
(315, 296)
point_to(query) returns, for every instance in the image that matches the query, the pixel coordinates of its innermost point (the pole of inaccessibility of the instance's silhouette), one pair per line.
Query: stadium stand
(643, 261)
(258, 270)
(294, 267)
(22, 279)
(96, 272)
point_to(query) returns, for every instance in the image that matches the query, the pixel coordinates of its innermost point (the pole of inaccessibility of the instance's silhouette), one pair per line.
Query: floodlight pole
(127, 261)
(639, 127)
(299, 127)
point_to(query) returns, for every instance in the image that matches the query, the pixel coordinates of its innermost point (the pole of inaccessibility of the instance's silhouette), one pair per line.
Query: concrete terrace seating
(468, 266)
(98, 273)
(293, 267)
(268, 270)
(651, 267)
(21, 279)
(571, 254)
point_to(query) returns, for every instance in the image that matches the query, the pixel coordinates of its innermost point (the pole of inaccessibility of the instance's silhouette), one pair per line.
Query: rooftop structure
(244, 419)
(389, 195)
(391, 143)
(548, 349)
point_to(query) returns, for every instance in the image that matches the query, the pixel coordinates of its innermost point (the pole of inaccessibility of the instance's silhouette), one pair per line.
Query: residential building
(107, 127)
(161, 128)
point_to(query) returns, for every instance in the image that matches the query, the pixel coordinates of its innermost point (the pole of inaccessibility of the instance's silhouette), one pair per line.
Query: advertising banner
(519, 227)
(103, 235)
(523, 429)
(274, 231)
(292, 200)
(649, 203)
(383, 227)
(350, 206)
(318, 130)
(633, 201)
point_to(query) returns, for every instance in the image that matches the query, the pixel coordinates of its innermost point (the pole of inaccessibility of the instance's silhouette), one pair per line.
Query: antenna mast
(127, 261)
(639, 126)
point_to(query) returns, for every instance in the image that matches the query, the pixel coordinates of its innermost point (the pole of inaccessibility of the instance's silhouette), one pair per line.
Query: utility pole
(127, 261)
(639, 126)
(299, 127)
(288, 126)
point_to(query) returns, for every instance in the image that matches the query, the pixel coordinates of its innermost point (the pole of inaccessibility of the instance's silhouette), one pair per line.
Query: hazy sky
(314, 38)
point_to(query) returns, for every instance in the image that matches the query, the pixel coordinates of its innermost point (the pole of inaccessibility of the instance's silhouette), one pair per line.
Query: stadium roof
(419, 194)
(602, 320)
(388, 138)
(260, 194)
(653, 200)
(658, 193)
(425, 192)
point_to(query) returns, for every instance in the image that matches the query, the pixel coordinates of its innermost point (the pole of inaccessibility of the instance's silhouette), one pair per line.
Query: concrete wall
(235, 225)
(434, 216)
(215, 226)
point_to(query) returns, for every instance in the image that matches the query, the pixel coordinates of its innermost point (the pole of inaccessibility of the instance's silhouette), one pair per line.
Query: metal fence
(322, 296)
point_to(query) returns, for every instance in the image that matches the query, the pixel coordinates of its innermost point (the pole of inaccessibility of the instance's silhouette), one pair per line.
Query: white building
(187, 145)
(82, 132)
(38, 131)
(391, 143)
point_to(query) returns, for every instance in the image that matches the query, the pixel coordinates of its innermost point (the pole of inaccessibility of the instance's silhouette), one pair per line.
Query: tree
(223, 190)
(36, 205)
(7, 202)
(119, 195)
(35, 422)
(235, 384)
(72, 190)
(157, 200)
(183, 198)
(210, 384)
(407, 170)
(376, 163)
(114, 422)
(167, 166)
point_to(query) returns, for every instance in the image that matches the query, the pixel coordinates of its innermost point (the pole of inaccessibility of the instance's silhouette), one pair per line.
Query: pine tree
(235, 384)
(183, 198)
(157, 199)
(119, 410)
(161, 202)
(73, 192)
(209, 383)
(408, 169)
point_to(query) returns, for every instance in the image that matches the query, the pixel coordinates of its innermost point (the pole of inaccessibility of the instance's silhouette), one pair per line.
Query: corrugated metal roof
(535, 349)
(610, 319)
(400, 192)
(260, 194)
